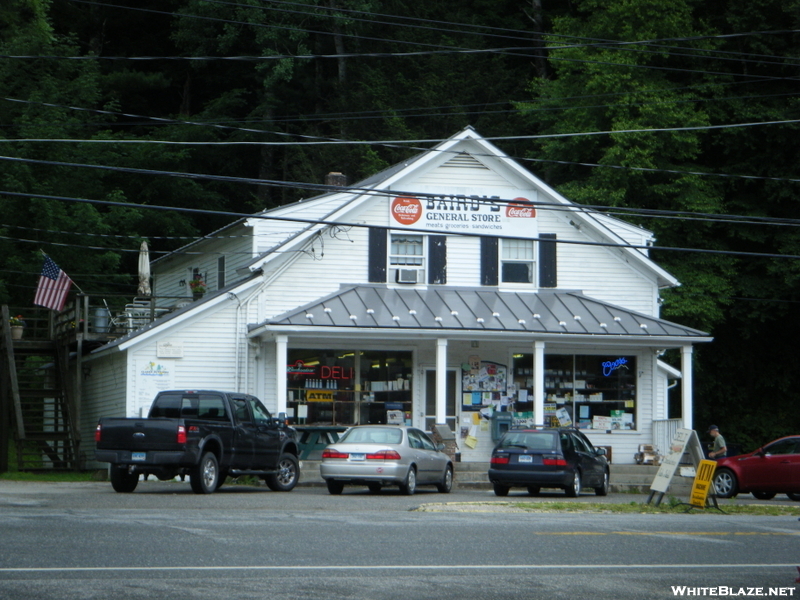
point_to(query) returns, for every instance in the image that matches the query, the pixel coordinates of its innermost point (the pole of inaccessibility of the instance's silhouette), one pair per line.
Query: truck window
(260, 413)
(166, 406)
(240, 408)
(211, 408)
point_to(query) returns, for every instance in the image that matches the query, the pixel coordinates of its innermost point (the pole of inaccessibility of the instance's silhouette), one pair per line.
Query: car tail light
(98, 433)
(384, 455)
(499, 460)
(555, 462)
(181, 434)
(328, 453)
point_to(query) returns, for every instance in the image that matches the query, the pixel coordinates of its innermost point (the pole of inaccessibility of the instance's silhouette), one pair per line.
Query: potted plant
(198, 287)
(17, 324)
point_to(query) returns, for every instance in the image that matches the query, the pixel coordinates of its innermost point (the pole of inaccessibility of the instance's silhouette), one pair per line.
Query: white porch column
(538, 382)
(441, 381)
(686, 387)
(281, 360)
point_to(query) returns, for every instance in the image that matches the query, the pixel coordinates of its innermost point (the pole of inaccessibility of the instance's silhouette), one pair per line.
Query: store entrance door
(430, 399)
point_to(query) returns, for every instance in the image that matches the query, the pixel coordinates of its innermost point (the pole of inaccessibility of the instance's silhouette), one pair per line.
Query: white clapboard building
(454, 288)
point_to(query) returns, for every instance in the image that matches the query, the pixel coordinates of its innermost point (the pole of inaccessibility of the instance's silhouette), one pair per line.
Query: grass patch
(52, 476)
(673, 506)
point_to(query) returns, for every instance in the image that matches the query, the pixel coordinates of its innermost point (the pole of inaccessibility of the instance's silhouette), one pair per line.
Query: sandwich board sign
(685, 440)
(702, 483)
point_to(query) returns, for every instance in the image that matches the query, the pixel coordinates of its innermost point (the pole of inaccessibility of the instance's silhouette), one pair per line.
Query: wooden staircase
(35, 403)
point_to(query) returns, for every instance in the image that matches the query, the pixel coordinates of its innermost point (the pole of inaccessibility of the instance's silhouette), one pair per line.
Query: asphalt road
(65, 541)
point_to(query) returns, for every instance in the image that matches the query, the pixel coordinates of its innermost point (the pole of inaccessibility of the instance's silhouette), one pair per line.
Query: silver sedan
(381, 455)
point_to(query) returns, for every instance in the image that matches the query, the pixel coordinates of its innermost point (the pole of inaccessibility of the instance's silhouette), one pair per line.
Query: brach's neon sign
(472, 214)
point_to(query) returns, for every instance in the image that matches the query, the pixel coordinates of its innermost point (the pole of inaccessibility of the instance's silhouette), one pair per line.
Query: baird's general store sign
(486, 215)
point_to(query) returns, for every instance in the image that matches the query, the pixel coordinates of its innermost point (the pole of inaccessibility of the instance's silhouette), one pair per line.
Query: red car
(772, 469)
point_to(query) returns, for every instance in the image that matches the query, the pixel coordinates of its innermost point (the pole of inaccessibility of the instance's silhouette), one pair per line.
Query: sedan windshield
(372, 435)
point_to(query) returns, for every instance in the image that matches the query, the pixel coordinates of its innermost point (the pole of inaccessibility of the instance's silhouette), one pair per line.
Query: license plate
(358, 456)
(525, 458)
(139, 456)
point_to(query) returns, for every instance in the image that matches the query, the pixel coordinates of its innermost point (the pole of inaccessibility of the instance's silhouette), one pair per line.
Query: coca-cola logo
(406, 210)
(520, 208)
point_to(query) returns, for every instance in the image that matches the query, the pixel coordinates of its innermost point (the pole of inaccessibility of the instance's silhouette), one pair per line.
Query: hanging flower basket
(198, 287)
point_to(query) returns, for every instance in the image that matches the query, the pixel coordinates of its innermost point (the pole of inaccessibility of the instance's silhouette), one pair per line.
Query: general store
(455, 288)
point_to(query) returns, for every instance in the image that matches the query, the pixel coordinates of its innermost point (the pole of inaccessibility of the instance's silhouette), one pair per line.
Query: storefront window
(587, 391)
(349, 387)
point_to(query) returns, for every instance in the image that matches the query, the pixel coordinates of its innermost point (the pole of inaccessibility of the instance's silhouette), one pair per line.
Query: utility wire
(322, 222)
(506, 51)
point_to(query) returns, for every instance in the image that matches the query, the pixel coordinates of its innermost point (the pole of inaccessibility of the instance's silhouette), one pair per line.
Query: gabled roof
(476, 310)
(337, 204)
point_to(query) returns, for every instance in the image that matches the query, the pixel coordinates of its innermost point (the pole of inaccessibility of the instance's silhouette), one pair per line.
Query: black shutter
(377, 255)
(548, 265)
(489, 260)
(437, 259)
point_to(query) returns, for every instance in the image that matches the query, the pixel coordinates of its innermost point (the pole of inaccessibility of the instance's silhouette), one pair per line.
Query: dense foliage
(228, 102)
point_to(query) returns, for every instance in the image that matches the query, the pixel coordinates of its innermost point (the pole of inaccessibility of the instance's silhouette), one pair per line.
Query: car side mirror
(600, 451)
(440, 447)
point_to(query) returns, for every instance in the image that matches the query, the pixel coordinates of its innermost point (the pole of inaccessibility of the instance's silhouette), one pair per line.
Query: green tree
(626, 66)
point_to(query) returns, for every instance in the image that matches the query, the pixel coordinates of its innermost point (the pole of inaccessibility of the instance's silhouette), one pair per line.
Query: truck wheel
(286, 477)
(205, 476)
(122, 481)
(223, 475)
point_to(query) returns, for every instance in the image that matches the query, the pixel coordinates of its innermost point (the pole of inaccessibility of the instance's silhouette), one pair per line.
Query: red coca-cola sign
(406, 210)
(520, 208)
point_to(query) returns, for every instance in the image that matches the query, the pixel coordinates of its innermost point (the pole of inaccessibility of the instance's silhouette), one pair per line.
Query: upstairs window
(517, 261)
(407, 258)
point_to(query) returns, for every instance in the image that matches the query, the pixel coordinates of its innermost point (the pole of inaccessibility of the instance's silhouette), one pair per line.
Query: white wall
(104, 392)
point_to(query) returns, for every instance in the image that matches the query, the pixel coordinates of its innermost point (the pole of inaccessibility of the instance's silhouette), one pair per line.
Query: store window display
(587, 391)
(348, 387)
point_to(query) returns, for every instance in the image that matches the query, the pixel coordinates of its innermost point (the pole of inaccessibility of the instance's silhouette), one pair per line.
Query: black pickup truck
(207, 435)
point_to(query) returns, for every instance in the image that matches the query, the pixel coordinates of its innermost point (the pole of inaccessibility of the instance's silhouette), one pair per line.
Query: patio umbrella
(144, 271)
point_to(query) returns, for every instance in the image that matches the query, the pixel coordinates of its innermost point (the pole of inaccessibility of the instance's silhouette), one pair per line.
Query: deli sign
(475, 214)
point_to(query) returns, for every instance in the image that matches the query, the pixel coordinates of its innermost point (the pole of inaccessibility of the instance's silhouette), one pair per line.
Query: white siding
(235, 244)
(598, 271)
(103, 396)
(460, 172)
(209, 358)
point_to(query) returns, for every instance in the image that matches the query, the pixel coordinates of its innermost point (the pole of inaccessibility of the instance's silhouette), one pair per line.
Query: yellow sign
(702, 483)
(319, 396)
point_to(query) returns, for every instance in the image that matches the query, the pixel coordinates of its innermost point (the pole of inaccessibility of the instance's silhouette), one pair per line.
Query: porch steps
(631, 479)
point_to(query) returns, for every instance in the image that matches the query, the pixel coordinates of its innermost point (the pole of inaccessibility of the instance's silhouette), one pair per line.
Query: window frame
(393, 258)
(506, 244)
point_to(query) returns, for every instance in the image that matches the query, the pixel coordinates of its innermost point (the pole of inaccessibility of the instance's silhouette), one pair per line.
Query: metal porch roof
(477, 309)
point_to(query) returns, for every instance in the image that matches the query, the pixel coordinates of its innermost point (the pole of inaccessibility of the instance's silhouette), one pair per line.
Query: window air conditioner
(407, 275)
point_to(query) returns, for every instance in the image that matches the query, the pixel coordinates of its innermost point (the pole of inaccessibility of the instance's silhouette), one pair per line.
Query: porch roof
(476, 310)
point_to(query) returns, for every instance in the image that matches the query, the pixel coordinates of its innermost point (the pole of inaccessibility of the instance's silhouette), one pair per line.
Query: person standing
(718, 449)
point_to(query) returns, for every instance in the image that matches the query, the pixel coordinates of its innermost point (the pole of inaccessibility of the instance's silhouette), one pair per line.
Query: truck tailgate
(139, 434)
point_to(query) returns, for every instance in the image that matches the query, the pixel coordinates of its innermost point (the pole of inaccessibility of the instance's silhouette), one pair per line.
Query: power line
(322, 222)
(507, 51)
(318, 140)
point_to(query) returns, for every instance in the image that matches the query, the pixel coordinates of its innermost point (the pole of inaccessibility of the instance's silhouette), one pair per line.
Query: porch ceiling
(476, 310)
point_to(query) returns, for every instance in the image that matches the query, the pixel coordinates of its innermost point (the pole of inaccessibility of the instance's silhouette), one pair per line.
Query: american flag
(53, 287)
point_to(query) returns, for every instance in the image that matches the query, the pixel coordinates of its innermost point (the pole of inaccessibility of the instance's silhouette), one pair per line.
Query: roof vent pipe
(336, 179)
